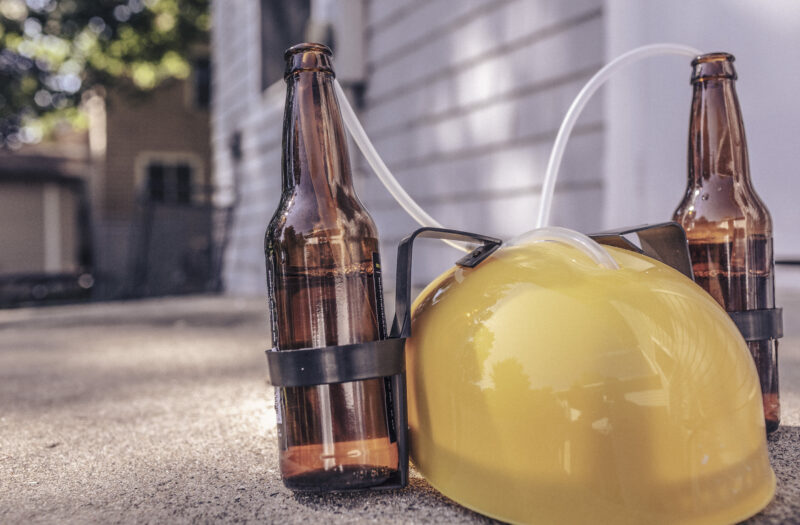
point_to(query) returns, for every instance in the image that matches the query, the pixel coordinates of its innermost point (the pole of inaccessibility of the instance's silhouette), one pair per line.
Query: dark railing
(40, 288)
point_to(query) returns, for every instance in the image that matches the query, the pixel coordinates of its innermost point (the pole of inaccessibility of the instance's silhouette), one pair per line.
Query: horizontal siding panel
(423, 25)
(382, 13)
(251, 217)
(511, 169)
(497, 30)
(576, 49)
(404, 123)
(257, 204)
(430, 62)
(534, 118)
(263, 144)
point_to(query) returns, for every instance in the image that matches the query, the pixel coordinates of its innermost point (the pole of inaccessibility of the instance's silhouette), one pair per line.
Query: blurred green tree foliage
(54, 51)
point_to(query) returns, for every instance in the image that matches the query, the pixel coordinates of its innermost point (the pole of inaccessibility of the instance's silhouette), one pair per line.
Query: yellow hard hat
(543, 388)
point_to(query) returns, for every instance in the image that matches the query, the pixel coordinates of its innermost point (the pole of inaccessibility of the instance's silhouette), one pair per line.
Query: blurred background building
(463, 101)
(123, 209)
(115, 200)
(152, 197)
(45, 238)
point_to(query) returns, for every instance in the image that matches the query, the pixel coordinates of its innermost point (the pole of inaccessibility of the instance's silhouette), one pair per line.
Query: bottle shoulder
(723, 200)
(302, 220)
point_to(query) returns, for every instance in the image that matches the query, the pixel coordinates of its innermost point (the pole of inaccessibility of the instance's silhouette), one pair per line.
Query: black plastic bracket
(759, 325)
(336, 364)
(373, 359)
(665, 242)
(402, 317)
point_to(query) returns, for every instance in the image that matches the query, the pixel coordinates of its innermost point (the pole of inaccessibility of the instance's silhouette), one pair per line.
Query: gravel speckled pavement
(157, 412)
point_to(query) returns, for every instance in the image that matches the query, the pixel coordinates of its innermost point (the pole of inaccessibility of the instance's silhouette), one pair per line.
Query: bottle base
(341, 478)
(772, 411)
(772, 425)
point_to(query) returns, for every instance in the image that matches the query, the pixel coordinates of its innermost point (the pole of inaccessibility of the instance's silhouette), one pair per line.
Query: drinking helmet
(543, 388)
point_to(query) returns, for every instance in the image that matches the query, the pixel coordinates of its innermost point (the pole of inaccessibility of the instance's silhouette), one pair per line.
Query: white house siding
(648, 105)
(239, 106)
(463, 100)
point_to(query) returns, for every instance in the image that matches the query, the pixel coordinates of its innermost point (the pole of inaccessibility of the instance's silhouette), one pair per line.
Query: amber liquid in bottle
(728, 226)
(322, 251)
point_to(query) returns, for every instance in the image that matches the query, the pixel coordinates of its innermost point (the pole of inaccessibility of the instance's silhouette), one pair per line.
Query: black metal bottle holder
(664, 242)
(667, 243)
(375, 359)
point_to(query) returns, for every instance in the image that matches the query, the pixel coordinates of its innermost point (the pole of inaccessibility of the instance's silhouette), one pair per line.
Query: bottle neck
(717, 145)
(314, 142)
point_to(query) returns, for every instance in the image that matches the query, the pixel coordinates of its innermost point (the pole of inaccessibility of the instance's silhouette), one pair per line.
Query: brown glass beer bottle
(728, 227)
(321, 250)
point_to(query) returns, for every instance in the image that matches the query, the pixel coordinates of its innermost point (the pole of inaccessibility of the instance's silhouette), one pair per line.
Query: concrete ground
(157, 412)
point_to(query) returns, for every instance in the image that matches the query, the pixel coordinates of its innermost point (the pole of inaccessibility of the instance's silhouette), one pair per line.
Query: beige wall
(21, 244)
(164, 121)
(68, 230)
(39, 230)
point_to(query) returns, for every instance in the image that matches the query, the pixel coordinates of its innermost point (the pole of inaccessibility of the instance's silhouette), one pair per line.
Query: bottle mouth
(307, 47)
(710, 66)
(717, 56)
(308, 56)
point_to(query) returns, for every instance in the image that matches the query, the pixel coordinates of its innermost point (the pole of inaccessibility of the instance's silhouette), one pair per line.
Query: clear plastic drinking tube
(573, 238)
(375, 161)
(574, 111)
(378, 166)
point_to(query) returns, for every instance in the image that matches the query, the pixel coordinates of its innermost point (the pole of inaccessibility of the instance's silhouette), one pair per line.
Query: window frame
(200, 190)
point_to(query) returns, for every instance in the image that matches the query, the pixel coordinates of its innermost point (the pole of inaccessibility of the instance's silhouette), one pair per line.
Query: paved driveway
(157, 411)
